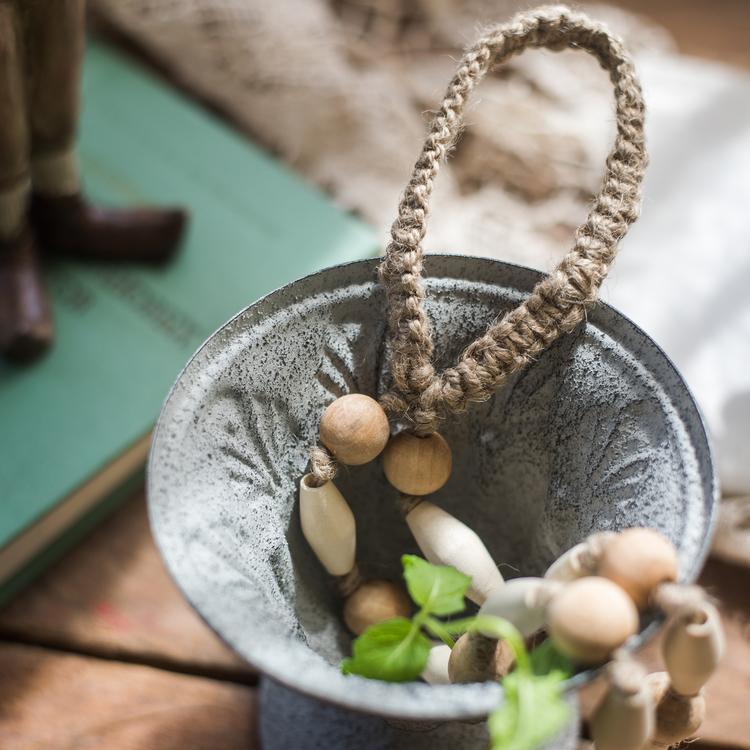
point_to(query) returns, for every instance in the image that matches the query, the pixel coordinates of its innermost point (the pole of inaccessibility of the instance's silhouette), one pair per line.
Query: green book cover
(124, 333)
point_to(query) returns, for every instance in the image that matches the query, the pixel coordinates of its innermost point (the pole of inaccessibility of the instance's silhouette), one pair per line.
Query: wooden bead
(444, 540)
(476, 658)
(589, 618)
(417, 465)
(375, 601)
(639, 560)
(692, 648)
(581, 560)
(436, 669)
(355, 429)
(623, 720)
(328, 525)
(521, 601)
(677, 716)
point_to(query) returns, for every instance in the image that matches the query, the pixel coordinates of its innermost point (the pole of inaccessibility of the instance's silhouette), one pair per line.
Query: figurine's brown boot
(26, 328)
(70, 226)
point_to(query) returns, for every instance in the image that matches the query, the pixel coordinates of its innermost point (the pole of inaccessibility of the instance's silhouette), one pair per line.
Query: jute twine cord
(559, 302)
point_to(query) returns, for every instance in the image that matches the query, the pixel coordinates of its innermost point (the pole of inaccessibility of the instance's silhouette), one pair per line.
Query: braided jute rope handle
(558, 303)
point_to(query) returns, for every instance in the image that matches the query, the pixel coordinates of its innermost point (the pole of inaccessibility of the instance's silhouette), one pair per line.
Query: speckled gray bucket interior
(600, 433)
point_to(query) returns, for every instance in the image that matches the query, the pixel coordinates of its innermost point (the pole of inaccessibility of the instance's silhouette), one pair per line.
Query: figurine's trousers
(41, 51)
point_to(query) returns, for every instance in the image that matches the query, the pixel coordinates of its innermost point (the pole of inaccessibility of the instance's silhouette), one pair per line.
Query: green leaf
(546, 659)
(393, 650)
(533, 710)
(438, 630)
(438, 589)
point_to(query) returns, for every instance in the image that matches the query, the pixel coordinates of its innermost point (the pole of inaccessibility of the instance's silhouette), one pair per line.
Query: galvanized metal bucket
(600, 433)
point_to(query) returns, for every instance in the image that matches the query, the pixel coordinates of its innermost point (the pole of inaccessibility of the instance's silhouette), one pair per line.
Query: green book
(75, 427)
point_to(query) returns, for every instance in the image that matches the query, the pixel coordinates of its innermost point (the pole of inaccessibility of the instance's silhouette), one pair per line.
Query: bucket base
(289, 719)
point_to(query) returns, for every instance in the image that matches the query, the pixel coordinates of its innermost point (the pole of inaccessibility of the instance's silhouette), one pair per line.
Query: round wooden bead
(476, 658)
(639, 560)
(375, 601)
(355, 429)
(692, 648)
(417, 465)
(677, 716)
(589, 618)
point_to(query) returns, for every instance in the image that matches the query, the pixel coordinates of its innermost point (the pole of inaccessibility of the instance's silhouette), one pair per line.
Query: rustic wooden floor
(103, 651)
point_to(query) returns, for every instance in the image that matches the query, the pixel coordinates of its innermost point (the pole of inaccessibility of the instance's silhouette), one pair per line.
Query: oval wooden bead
(581, 560)
(521, 601)
(436, 669)
(692, 648)
(677, 716)
(444, 540)
(476, 658)
(355, 429)
(639, 560)
(417, 465)
(589, 618)
(375, 601)
(623, 721)
(328, 525)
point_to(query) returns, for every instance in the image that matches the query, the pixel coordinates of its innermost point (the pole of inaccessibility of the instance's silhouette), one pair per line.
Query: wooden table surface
(102, 651)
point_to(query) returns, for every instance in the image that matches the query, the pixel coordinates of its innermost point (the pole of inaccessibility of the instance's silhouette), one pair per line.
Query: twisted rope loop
(558, 303)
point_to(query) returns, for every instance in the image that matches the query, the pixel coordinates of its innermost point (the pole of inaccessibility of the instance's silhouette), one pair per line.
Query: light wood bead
(417, 465)
(639, 560)
(375, 601)
(444, 540)
(328, 525)
(476, 658)
(624, 719)
(355, 429)
(589, 618)
(436, 669)
(692, 646)
(581, 560)
(521, 601)
(677, 716)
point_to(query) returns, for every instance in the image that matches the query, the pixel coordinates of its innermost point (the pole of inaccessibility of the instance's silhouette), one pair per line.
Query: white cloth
(683, 272)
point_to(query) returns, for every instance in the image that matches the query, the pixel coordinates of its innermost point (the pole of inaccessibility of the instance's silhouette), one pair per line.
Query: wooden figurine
(42, 207)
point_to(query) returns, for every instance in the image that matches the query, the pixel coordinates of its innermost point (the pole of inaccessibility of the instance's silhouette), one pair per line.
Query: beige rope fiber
(558, 303)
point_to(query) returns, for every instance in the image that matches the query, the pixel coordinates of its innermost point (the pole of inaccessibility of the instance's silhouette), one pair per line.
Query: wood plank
(52, 701)
(112, 596)
(727, 723)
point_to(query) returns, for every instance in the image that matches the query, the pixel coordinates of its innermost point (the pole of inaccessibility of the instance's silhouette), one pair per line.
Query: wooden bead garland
(588, 600)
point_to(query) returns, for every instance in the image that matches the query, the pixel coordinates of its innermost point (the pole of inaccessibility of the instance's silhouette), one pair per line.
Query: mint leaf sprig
(397, 650)
(533, 707)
